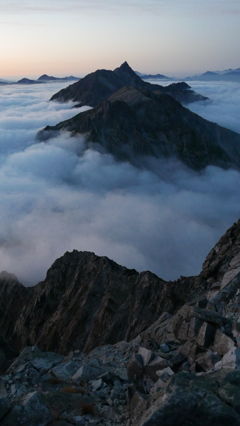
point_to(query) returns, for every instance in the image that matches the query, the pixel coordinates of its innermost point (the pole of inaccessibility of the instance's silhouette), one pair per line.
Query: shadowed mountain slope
(132, 124)
(86, 300)
(99, 85)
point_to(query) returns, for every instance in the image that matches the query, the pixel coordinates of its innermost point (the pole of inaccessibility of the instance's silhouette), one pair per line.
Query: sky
(65, 37)
(59, 196)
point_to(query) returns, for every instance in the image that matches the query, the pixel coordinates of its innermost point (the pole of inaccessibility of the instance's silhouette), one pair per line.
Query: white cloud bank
(57, 197)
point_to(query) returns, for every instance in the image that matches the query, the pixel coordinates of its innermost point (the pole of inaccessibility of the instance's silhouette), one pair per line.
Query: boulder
(230, 360)
(29, 411)
(191, 400)
(222, 343)
(206, 361)
(92, 370)
(197, 325)
(65, 370)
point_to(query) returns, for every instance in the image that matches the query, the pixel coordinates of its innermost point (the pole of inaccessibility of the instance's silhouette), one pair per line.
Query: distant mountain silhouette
(46, 77)
(227, 75)
(43, 79)
(153, 76)
(27, 81)
(133, 124)
(99, 85)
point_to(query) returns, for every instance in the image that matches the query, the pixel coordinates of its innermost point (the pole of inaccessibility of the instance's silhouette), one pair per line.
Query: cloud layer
(58, 196)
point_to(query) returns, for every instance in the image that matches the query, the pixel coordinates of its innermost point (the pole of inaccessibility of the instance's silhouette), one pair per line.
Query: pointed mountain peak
(124, 68)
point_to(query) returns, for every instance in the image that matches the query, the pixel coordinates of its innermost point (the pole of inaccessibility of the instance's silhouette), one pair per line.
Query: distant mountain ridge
(132, 124)
(42, 79)
(99, 85)
(45, 77)
(227, 75)
(154, 76)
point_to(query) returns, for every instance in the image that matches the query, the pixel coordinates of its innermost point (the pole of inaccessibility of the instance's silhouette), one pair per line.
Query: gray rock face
(133, 124)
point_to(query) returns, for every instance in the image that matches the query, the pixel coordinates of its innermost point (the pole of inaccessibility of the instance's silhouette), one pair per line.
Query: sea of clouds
(59, 196)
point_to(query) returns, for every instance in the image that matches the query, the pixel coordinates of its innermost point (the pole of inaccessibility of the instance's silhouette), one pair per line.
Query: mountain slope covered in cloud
(60, 196)
(131, 125)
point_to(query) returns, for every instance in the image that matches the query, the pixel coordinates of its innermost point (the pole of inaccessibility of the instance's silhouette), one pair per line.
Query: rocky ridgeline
(119, 347)
(96, 87)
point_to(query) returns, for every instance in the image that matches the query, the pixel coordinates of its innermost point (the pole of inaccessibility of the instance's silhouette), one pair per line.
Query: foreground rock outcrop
(129, 348)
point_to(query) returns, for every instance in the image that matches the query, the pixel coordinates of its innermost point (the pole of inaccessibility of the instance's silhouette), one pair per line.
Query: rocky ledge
(119, 347)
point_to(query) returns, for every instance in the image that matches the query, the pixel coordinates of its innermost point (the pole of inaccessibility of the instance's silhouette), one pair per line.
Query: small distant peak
(44, 76)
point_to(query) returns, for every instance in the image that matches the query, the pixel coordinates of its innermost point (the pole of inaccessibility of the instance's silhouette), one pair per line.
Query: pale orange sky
(63, 37)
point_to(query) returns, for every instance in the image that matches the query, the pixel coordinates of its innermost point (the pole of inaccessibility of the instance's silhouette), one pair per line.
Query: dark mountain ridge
(99, 85)
(133, 123)
(86, 300)
(155, 352)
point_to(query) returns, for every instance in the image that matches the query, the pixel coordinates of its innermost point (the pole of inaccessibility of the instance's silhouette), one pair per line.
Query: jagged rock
(144, 369)
(160, 331)
(218, 261)
(135, 367)
(64, 370)
(222, 343)
(197, 325)
(192, 400)
(207, 360)
(230, 360)
(90, 371)
(165, 374)
(152, 368)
